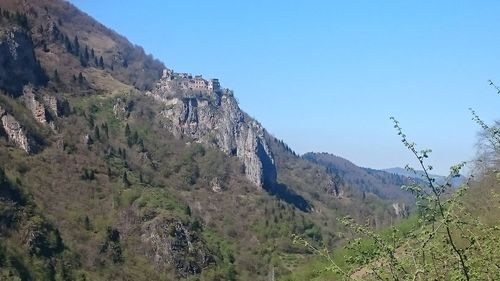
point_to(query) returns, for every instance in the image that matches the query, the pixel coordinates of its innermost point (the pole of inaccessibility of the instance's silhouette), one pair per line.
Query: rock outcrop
(401, 210)
(170, 242)
(334, 186)
(44, 111)
(214, 117)
(121, 109)
(15, 132)
(18, 64)
(37, 108)
(52, 105)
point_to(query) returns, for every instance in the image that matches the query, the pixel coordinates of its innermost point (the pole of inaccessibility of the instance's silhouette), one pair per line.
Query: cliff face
(18, 64)
(214, 117)
(15, 132)
(43, 108)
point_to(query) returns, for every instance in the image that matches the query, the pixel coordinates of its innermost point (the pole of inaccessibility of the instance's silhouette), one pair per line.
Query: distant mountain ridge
(384, 184)
(420, 175)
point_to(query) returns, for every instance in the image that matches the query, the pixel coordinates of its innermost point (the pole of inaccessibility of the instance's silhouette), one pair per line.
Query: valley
(115, 167)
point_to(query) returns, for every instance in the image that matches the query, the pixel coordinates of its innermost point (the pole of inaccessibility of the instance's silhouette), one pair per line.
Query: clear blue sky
(327, 75)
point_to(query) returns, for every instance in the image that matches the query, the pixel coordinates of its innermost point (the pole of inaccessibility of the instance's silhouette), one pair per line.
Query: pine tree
(87, 223)
(86, 54)
(76, 45)
(97, 133)
(65, 109)
(56, 76)
(91, 174)
(55, 33)
(101, 62)
(83, 62)
(126, 182)
(6, 14)
(67, 43)
(80, 78)
(133, 139)
(92, 53)
(104, 127)
(141, 145)
(90, 120)
(127, 130)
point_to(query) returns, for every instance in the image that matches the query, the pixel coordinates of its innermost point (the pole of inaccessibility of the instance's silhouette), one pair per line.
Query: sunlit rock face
(199, 109)
(14, 131)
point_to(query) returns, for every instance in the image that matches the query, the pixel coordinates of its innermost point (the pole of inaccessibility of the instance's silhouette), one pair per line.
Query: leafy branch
(437, 192)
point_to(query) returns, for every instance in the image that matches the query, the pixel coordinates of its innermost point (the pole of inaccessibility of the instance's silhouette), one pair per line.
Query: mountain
(201, 110)
(115, 167)
(419, 175)
(383, 184)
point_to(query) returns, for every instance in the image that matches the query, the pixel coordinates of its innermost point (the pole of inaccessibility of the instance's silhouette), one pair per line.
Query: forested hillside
(98, 182)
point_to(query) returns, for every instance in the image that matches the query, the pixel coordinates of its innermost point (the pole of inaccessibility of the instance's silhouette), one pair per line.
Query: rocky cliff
(213, 117)
(14, 131)
(44, 109)
(18, 64)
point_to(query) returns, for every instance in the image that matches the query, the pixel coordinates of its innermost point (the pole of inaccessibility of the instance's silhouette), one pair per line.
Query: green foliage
(223, 252)
(40, 254)
(451, 240)
(443, 246)
(88, 174)
(127, 130)
(38, 133)
(159, 201)
(112, 246)
(97, 133)
(125, 180)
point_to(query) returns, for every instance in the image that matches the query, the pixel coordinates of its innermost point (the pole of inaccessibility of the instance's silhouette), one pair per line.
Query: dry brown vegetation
(103, 173)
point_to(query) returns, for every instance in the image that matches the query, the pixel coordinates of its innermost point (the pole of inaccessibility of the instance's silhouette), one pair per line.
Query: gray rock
(216, 184)
(401, 210)
(213, 117)
(120, 109)
(86, 139)
(18, 64)
(15, 132)
(168, 242)
(37, 108)
(52, 105)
